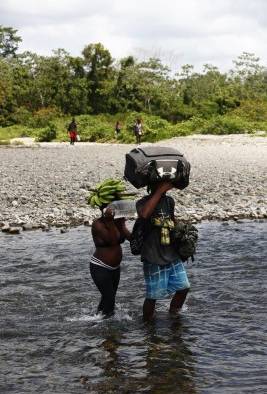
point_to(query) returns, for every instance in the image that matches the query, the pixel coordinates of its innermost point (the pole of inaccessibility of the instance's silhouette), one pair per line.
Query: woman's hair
(103, 206)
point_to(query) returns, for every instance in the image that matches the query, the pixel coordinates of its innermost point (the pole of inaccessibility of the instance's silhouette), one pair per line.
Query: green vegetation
(4, 142)
(47, 134)
(39, 94)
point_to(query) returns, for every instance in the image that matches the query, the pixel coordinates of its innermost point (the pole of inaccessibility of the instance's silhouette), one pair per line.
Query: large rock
(27, 227)
(6, 228)
(14, 230)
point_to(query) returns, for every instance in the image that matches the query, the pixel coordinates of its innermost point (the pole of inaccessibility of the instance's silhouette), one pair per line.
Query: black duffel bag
(147, 165)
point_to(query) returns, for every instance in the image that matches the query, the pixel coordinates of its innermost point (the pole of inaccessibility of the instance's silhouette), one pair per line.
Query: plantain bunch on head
(107, 191)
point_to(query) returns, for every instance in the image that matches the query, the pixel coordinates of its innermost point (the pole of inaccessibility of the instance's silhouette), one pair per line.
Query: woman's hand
(109, 214)
(121, 225)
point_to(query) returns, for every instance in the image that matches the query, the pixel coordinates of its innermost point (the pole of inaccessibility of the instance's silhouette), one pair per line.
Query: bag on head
(152, 164)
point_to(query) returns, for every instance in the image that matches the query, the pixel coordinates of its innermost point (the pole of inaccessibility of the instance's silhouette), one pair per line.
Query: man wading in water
(163, 270)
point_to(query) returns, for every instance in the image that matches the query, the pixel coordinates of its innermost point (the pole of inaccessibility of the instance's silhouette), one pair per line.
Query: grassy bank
(100, 128)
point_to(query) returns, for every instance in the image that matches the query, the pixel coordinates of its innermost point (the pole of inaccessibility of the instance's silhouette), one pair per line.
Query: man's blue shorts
(161, 281)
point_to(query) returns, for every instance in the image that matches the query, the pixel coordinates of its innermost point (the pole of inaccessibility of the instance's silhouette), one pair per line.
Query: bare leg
(148, 309)
(178, 300)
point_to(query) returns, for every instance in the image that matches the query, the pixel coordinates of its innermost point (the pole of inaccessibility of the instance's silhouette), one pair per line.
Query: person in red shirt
(72, 129)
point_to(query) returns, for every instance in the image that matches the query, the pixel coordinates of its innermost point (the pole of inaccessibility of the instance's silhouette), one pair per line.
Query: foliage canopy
(35, 90)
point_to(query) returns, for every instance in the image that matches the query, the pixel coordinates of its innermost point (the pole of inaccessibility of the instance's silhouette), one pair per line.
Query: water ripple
(52, 340)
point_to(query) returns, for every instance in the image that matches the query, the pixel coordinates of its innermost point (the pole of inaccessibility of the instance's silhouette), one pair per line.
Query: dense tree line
(95, 83)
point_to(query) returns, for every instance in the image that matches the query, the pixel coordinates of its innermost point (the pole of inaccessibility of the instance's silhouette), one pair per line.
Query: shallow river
(52, 341)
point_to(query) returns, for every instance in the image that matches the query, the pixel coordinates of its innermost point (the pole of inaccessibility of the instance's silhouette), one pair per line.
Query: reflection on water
(153, 360)
(53, 342)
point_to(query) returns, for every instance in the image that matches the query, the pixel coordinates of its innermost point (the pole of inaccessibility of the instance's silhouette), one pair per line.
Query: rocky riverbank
(46, 185)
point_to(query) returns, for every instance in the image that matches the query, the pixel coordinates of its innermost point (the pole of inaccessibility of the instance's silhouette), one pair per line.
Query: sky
(179, 32)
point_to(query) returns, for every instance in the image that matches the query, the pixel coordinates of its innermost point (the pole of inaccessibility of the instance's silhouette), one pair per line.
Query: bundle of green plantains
(108, 191)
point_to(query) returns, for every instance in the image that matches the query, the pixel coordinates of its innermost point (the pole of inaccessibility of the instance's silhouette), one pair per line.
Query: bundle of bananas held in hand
(107, 191)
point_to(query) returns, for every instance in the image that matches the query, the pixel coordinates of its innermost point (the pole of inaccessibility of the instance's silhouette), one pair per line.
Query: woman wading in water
(108, 235)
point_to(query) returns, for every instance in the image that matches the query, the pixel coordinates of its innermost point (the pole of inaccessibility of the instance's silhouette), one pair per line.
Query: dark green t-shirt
(152, 251)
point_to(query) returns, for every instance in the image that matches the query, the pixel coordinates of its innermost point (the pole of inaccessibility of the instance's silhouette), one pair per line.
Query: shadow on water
(148, 358)
(53, 342)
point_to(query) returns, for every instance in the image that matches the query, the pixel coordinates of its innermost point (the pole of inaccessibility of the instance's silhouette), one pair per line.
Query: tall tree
(98, 63)
(140, 85)
(9, 41)
(248, 77)
(6, 97)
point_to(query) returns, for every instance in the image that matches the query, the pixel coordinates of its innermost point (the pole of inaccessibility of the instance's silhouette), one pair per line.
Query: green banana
(125, 197)
(110, 181)
(120, 188)
(114, 182)
(97, 200)
(104, 183)
(106, 189)
(107, 196)
(110, 195)
(92, 201)
(105, 200)
(90, 198)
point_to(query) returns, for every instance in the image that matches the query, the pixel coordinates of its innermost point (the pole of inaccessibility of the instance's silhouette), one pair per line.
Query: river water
(52, 341)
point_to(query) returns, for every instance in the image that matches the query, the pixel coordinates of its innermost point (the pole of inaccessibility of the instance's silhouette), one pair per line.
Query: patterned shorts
(161, 281)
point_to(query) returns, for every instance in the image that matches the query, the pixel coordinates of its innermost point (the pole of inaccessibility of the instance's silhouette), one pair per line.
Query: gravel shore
(46, 184)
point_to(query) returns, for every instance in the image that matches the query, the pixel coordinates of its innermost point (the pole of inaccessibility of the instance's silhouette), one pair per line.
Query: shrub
(21, 116)
(4, 142)
(194, 125)
(226, 124)
(207, 108)
(181, 129)
(154, 127)
(100, 128)
(15, 131)
(94, 128)
(47, 134)
(252, 110)
(43, 117)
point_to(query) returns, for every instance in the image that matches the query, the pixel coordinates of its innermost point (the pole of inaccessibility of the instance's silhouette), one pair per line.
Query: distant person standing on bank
(117, 129)
(72, 129)
(138, 130)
